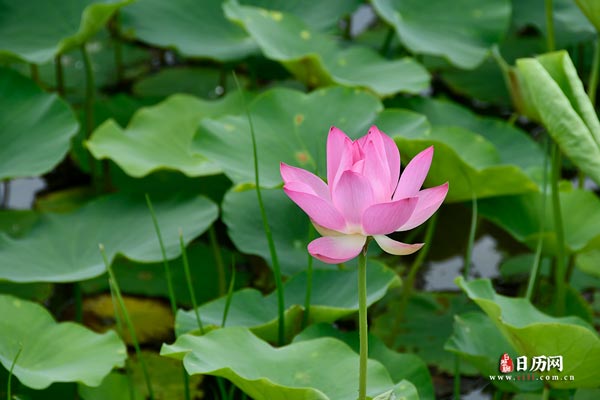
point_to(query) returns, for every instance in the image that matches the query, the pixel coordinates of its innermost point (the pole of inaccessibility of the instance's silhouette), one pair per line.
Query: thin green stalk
(309, 282)
(214, 244)
(222, 390)
(169, 277)
(188, 278)
(533, 276)
(363, 331)
(546, 393)
(229, 293)
(560, 273)
(593, 83)
(267, 228)
(456, 377)
(471, 242)
(89, 104)
(117, 291)
(409, 282)
(10, 373)
(550, 43)
(387, 42)
(60, 76)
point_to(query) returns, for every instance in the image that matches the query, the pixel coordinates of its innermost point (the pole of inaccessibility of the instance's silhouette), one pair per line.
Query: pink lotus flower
(365, 195)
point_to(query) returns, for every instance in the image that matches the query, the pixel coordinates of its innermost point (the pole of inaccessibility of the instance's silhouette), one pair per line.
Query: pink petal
(429, 201)
(293, 174)
(397, 248)
(392, 155)
(351, 196)
(318, 209)
(376, 171)
(325, 231)
(384, 218)
(336, 249)
(338, 144)
(414, 174)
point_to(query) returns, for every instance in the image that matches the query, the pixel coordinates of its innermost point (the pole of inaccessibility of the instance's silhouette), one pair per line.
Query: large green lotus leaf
(400, 365)
(462, 33)
(334, 296)
(35, 127)
(478, 340)
(591, 9)
(66, 245)
(520, 216)
(37, 31)
(290, 127)
(427, 327)
(115, 386)
(51, 352)
(558, 96)
(148, 279)
(159, 137)
(472, 163)
(201, 32)
(570, 24)
(533, 333)
(299, 371)
(316, 59)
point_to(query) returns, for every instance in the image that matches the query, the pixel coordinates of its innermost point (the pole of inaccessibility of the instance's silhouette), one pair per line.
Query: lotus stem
(117, 291)
(387, 42)
(78, 302)
(188, 278)
(363, 331)
(471, 241)
(267, 228)
(560, 273)
(533, 276)
(60, 77)
(229, 293)
(168, 276)
(10, 373)
(214, 244)
(89, 104)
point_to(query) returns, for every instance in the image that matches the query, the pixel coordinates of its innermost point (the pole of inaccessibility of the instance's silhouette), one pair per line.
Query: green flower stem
(136, 344)
(214, 244)
(560, 273)
(533, 276)
(188, 278)
(267, 228)
(471, 241)
(593, 83)
(172, 299)
(10, 373)
(363, 330)
(229, 293)
(60, 77)
(387, 42)
(550, 43)
(546, 393)
(90, 88)
(309, 281)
